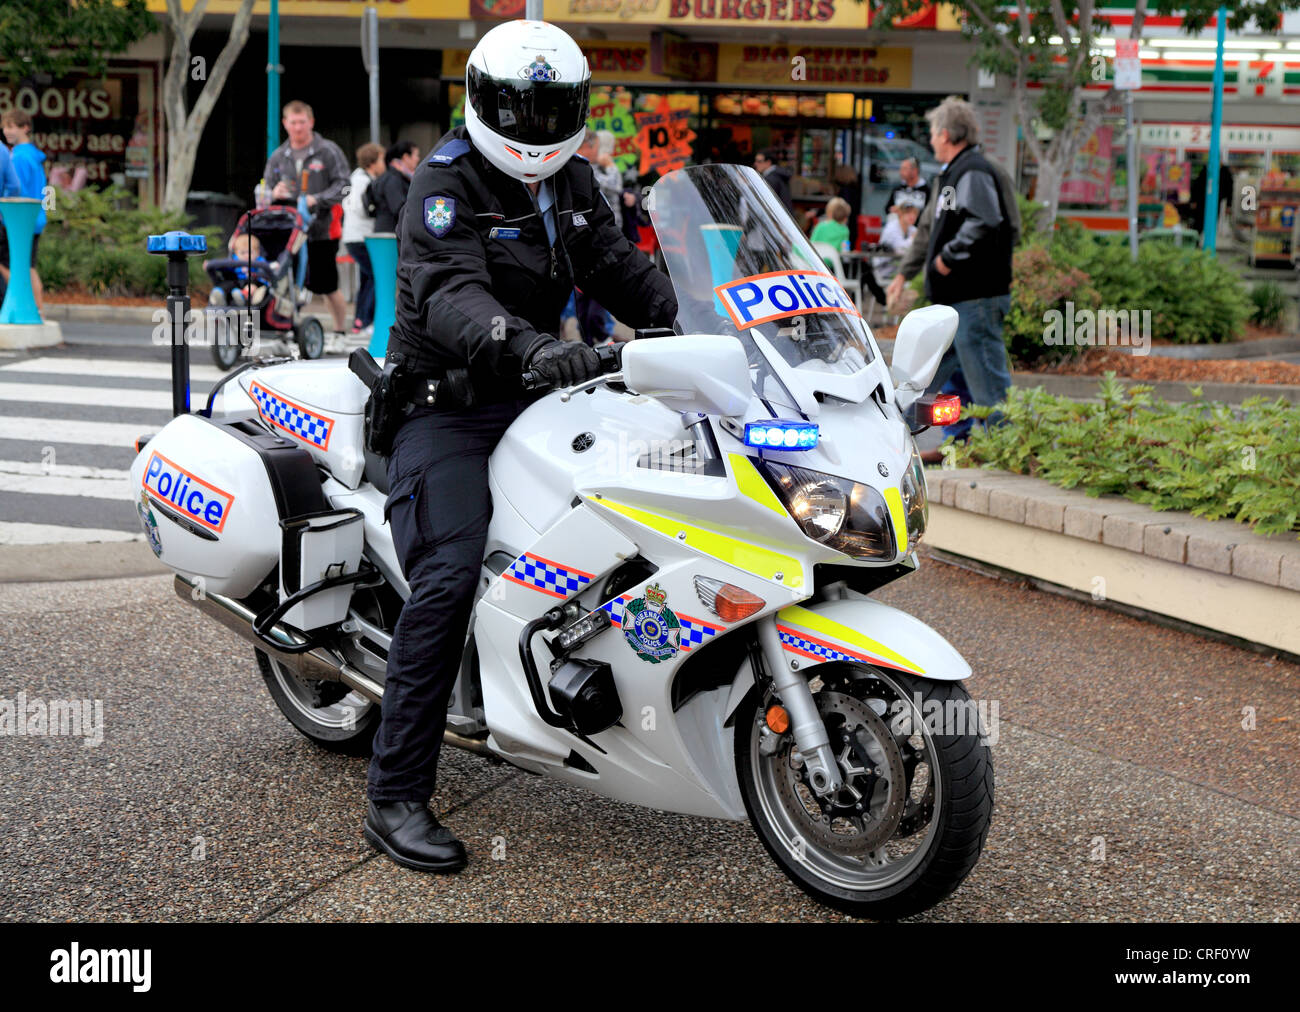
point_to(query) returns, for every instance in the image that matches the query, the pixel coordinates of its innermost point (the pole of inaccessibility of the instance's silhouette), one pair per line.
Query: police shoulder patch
(449, 152)
(439, 214)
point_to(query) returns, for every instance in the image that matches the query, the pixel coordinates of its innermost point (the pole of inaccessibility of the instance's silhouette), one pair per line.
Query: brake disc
(864, 813)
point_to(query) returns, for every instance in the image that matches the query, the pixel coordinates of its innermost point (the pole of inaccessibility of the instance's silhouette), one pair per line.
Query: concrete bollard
(20, 321)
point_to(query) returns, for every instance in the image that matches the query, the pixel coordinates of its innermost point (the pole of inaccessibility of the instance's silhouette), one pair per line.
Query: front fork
(806, 724)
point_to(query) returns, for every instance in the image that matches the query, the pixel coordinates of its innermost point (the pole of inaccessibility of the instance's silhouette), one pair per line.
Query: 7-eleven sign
(1259, 78)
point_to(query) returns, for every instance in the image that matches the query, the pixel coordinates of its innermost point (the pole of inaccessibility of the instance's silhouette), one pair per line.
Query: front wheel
(910, 820)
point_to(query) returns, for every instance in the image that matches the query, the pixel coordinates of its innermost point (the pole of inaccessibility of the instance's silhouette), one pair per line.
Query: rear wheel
(910, 821)
(332, 715)
(311, 337)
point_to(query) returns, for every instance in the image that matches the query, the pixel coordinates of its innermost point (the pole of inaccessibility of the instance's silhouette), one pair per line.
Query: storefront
(677, 81)
(813, 107)
(95, 131)
(1259, 146)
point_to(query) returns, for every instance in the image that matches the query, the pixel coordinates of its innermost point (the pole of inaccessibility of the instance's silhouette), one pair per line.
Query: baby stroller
(267, 287)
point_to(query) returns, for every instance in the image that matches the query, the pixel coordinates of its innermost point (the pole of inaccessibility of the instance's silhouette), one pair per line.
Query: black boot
(408, 833)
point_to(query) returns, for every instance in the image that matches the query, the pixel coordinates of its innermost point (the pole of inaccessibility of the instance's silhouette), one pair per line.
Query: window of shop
(828, 140)
(1261, 184)
(95, 132)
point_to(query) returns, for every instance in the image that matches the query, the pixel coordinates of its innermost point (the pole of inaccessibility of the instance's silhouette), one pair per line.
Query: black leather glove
(564, 363)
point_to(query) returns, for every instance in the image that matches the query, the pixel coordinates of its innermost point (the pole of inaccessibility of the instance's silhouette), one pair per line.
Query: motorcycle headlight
(915, 504)
(844, 515)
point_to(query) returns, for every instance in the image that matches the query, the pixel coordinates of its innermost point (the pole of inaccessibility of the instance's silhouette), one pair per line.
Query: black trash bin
(207, 208)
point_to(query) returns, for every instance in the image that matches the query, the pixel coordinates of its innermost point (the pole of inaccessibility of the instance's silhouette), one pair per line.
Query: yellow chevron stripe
(751, 558)
(752, 485)
(826, 627)
(894, 500)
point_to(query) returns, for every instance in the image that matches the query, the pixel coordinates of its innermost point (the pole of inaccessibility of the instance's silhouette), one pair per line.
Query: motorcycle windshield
(740, 266)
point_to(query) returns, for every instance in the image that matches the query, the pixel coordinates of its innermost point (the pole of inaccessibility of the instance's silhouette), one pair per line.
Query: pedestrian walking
(390, 189)
(777, 177)
(313, 169)
(357, 224)
(912, 185)
(968, 240)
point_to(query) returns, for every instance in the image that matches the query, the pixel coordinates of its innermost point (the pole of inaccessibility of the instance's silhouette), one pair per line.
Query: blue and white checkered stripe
(310, 428)
(808, 647)
(615, 608)
(546, 576)
(695, 632)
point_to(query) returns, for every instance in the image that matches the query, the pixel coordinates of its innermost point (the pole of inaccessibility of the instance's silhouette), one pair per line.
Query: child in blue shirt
(24, 164)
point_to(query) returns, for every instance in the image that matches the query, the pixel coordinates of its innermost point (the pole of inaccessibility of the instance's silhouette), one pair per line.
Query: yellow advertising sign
(823, 67)
(778, 14)
(718, 13)
(431, 10)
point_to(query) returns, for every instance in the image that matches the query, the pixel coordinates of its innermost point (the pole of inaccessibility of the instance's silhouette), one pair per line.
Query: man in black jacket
(389, 190)
(777, 177)
(501, 222)
(967, 255)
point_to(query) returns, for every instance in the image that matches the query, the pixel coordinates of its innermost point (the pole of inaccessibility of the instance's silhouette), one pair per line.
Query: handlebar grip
(611, 360)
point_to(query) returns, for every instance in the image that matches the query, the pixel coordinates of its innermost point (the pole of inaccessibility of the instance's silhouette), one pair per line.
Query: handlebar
(611, 360)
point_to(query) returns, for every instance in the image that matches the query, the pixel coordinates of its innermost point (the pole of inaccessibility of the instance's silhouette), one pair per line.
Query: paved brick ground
(1116, 736)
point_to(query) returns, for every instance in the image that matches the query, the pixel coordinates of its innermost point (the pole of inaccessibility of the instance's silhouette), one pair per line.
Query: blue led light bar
(177, 242)
(781, 434)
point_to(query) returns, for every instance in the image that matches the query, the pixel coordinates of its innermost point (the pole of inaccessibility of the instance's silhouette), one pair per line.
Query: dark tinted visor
(531, 112)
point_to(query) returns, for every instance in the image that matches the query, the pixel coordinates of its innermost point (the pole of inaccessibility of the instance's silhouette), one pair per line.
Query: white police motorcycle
(674, 608)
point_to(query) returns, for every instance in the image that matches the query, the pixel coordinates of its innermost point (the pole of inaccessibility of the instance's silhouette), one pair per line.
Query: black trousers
(438, 507)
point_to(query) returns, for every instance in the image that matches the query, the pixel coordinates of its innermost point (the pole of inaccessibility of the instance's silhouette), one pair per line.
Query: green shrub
(1041, 284)
(1214, 460)
(1270, 305)
(1192, 297)
(95, 240)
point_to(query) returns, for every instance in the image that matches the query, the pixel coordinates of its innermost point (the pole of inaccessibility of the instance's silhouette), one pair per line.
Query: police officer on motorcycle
(501, 222)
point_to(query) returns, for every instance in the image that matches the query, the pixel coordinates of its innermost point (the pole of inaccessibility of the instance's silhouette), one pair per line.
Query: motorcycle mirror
(923, 337)
(691, 372)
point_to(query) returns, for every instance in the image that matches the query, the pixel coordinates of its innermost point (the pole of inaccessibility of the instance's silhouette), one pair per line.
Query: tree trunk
(1047, 190)
(182, 148)
(185, 129)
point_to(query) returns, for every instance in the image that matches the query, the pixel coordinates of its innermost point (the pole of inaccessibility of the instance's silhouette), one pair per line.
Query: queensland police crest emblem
(150, 523)
(439, 215)
(539, 70)
(650, 626)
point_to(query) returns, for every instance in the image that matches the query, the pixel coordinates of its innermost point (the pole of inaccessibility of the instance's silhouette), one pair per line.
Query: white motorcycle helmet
(527, 85)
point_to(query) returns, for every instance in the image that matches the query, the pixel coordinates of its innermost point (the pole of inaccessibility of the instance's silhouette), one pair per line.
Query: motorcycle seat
(377, 471)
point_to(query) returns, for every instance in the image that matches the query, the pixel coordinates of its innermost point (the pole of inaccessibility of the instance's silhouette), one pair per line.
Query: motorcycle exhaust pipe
(238, 618)
(317, 663)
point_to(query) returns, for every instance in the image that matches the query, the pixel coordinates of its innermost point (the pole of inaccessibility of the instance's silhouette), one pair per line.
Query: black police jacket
(478, 283)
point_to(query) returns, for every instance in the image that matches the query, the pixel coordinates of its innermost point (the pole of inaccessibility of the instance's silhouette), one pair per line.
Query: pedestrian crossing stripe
(91, 419)
(293, 418)
(549, 577)
(695, 631)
